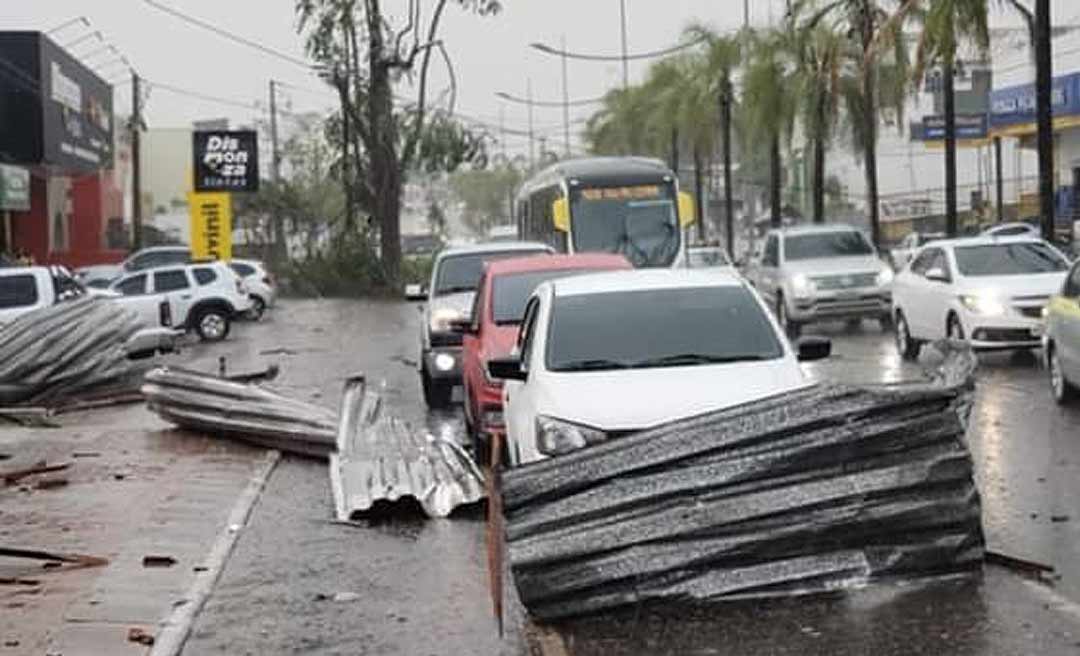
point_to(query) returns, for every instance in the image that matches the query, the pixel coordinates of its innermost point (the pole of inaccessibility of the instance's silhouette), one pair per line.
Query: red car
(492, 331)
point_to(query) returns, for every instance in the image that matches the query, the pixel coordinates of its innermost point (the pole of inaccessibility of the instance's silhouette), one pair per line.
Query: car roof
(984, 240)
(646, 279)
(821, 228)
(23, 270)
(494, 247)
(555, 262)
(158, 249)
(239, 260)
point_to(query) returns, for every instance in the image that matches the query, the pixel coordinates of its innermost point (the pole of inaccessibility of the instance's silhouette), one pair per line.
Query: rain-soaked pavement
(420, 587)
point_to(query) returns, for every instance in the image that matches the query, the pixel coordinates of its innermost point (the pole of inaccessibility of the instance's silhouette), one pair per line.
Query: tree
(362, 54)
(879, 65)
(485, 195)
(945, 23)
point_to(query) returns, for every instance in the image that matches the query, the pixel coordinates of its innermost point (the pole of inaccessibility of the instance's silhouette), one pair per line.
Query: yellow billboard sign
(211, 225)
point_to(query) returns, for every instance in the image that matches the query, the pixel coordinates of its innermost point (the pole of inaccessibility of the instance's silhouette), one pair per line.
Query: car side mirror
(937, 275)
(508, 368)
(463, 327)
(415, 292)
(813, 348)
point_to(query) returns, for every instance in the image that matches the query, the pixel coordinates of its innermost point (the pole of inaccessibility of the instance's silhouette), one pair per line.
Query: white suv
(821, 273)
(202, 297)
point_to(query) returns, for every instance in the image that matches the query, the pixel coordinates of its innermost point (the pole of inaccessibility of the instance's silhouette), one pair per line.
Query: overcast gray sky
(490, 54)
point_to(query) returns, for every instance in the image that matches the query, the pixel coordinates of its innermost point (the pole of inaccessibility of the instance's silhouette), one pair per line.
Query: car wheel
(1064, 391)
(436, 394)
(954, 329)
(792, 328)
(907, 346)
(212, 325)
(258, 308)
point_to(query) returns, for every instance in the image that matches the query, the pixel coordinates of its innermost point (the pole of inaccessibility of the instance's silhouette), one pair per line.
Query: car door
(174, 287)
(472, 369)
(917, 293)
(134, 295)
(1066, 328)
(519, 402)
(937, 296)
(905, 289)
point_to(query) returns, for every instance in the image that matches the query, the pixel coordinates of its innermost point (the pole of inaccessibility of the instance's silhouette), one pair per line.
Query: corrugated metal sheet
(382, 459)
(245, 411)
(827, 488)
(67, 349)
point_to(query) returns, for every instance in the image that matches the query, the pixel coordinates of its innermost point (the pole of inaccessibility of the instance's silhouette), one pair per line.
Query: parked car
(901, 255)
(602, 354)
(259, 284)
(492, 327)
(1062, 340)
(1017, 229)
(989, 291)
(698, 257)
(25, 289)
(822, 272)
(204, 298)
(449, 297)
(140, 260)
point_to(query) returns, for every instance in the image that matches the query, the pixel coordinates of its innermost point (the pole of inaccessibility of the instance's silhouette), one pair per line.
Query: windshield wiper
(455, 290)
(595, 364)
(698, 358)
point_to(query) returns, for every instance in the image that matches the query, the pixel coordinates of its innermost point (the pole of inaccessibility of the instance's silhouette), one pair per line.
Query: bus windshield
(640, 222)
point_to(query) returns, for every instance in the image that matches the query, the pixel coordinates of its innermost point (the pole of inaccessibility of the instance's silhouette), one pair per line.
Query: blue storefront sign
(1014, 107)
(968, 126)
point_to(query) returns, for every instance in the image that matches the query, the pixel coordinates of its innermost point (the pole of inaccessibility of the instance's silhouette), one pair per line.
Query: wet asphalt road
(421, 585)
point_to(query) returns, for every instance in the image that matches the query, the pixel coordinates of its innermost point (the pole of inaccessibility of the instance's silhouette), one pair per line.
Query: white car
(140, 260)
(988, 291)
(821, 273)
(1012, 230)
(204, 298)
(602, 354)
(259, 284)
(903, 252)
(704, 257)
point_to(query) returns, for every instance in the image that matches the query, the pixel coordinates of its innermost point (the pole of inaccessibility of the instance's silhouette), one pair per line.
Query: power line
(228, 35)
(543, 47)
(549, 103)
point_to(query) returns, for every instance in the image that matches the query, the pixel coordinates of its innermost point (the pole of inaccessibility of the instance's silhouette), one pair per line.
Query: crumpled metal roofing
(826, 488)
(216, 405)
(67, 349)
(382, 459)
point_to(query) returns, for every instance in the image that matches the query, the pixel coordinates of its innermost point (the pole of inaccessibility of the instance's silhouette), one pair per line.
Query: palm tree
(945, 24)
(715, 70)
(769, 103)
(879, 65)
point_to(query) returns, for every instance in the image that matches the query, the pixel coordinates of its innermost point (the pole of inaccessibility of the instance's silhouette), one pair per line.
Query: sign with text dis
(211, 226)
(226, 160)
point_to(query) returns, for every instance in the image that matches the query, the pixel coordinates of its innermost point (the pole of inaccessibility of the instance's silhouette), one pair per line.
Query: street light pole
(1043, 92)
(625, 60)
(532, 151)
(565, 102)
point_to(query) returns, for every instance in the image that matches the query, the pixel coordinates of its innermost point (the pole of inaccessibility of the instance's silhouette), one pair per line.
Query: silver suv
(820, 273)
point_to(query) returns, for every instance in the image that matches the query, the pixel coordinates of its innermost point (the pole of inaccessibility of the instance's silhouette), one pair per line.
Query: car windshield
(707, 257)
(639, 222)
(511, 292)
(825, 245)
(659, 328)
(461, 273)
(1008, 259)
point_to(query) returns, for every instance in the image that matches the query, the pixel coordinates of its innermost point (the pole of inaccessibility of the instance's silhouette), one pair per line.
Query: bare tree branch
(409, 151)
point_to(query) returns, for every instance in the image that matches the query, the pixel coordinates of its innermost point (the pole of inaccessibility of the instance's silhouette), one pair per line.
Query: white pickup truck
(25, 289)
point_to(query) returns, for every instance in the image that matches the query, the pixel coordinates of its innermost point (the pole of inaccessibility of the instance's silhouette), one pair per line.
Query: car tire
(258, 308)
(212, 324)
(436, 394)
(953, 328)
(906, 345)
(791, 328)
(1064, 392)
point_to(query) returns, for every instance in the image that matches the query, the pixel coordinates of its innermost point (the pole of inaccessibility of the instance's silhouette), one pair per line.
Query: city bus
(627, 205)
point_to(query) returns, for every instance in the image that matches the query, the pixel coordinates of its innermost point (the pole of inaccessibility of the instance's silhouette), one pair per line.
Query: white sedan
(602, 354)
(988, 291)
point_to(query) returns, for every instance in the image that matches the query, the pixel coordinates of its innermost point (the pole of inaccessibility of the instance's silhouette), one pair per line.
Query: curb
(176, 627)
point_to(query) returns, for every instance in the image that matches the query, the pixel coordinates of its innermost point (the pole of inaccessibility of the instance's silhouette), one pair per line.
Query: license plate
(847, 296)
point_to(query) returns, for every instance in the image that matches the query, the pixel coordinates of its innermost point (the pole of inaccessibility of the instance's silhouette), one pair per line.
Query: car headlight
(444, 362)
(441, 318)
(555, 437)
(884, 277)
(983, 304)
(802, 285)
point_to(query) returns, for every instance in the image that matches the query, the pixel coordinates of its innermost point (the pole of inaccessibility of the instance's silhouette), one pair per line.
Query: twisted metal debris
(245, 411)
(827, 488)
(380, 458)
(67, 349)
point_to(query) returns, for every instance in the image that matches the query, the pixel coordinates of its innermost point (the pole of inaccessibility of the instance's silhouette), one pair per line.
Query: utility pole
(952, 228)
(532, 150)
(565, 101)
(1000, 183)
(136, 162)
(1043, 77)
(625, 59)
(729, 205)
(746, 13)
(280, 250)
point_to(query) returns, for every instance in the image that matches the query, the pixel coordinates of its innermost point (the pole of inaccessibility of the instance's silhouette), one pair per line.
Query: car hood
(641, 398)
(834, 265)
(1043, 284)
